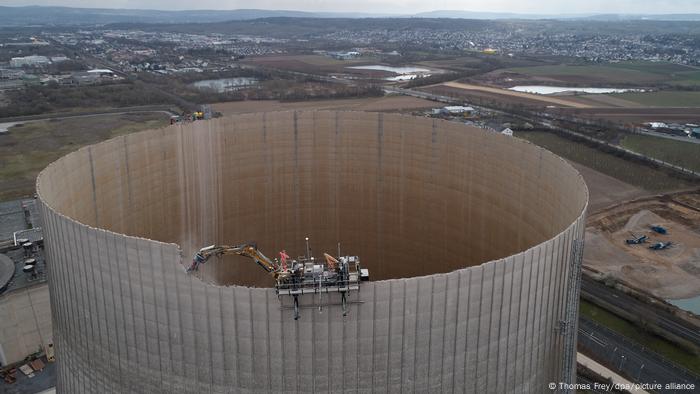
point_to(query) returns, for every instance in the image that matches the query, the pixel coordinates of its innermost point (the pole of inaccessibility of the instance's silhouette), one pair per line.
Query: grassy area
(592, 73)
(648, 340)
(663, 98)
(655, 67)
(35, 100)
(26, 149)
(684, 154)
(618, 73)
(634, 173)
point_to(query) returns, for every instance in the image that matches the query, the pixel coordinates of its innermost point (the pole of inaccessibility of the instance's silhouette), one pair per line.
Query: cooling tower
(472, 240)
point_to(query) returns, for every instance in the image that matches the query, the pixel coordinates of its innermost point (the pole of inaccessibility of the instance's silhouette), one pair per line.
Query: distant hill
(595, 17)
(641, 17)
(480, 15)
(39, 15)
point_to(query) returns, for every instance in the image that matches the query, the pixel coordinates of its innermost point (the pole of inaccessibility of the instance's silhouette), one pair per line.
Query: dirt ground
(673, 273)
(606, 100)
(605, 190)
(374, 104)
(489, 94)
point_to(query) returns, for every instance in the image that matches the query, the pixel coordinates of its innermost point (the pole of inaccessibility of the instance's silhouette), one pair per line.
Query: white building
(657, 125)
(507, 131)
(457, 109)
(101, 72)
(28, 61)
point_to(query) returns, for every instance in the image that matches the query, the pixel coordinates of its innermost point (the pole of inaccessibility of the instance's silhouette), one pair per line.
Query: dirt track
(505, 92)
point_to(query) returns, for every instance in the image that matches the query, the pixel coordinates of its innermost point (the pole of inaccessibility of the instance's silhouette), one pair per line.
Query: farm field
(308, 63)
(387, 103)
(26, 149)
(551, 100)
(614, 74)
(470, 62)
(634, 115)
(637, 174)
(662, 98)
(481, 95)
(456, 64)
(684, 154)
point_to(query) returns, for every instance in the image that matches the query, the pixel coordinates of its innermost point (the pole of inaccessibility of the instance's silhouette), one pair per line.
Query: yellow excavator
(247, 249)
(295, 277)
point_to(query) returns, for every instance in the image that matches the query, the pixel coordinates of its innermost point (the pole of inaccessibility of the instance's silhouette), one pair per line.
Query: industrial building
(33, 60)
(472, 239)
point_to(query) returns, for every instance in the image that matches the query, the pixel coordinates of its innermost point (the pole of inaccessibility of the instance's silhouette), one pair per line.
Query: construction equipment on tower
(295, 277)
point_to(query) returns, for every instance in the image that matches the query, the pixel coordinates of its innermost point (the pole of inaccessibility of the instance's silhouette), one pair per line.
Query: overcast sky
(396, 6)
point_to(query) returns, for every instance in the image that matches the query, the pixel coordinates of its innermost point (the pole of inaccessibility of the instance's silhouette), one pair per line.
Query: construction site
(309, 251)
(651, 243)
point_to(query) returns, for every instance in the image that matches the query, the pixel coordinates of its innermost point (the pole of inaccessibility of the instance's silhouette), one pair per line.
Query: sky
(395, 6)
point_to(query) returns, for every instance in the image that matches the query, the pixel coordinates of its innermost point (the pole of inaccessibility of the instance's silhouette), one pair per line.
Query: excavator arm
(297, 277)
(248, 250)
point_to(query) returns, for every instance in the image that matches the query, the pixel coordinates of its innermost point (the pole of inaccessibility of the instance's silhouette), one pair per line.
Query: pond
(396, 70)
(688, 304)
(540, 89)
(405, 73)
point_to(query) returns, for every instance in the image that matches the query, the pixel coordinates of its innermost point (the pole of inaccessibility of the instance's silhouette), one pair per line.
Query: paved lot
(43, 380)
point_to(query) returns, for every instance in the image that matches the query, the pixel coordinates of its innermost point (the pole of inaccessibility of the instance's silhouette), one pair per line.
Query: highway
(630, 358)
(653, 315)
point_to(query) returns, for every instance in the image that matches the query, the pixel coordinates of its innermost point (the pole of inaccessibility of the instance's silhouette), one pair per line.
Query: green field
(663, 98)
(684, 154)
(27, 149)
(627, 73)
(655, 343)
(634, 173)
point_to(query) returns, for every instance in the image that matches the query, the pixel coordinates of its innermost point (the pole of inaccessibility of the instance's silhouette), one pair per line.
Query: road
(670, 137)
(630, 358)
(597, 292)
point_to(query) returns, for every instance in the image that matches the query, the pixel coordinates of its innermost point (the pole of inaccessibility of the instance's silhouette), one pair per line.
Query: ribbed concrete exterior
(469, 236)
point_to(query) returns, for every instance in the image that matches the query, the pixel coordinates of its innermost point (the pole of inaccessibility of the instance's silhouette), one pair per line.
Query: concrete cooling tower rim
(473, 240)
(185, 259)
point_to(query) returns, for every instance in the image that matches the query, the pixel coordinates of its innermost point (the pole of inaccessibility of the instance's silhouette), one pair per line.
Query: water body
(225, 84)
(396, 70)
(405, 77)
(539, 89)
(688, 304)
(404, 73)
